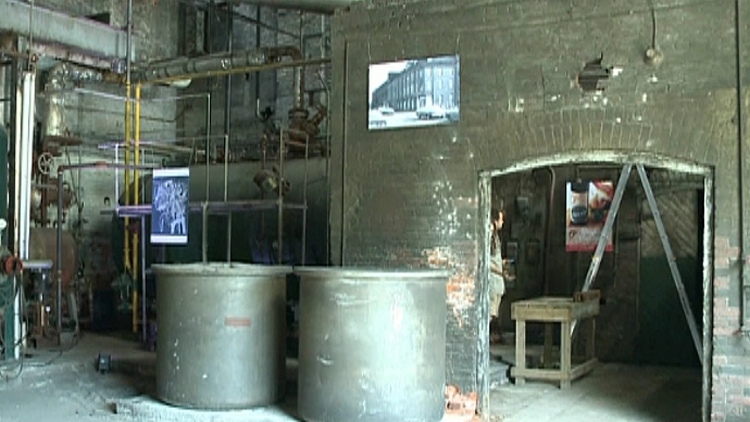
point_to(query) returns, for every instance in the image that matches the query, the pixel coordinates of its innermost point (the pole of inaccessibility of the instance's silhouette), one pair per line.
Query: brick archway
(599, 157)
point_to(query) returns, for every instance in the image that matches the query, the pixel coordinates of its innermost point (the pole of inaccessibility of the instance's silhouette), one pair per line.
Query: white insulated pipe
(24, 161)
(24, 171)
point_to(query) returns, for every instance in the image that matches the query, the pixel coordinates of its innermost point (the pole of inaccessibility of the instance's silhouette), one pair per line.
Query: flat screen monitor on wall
(413, 93)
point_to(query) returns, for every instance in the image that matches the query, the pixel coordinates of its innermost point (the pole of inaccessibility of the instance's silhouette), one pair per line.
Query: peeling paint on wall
(460, 286)
(457, 404)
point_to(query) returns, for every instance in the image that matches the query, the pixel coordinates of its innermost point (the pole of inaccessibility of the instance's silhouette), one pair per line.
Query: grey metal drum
(221, 341)
(372, 345)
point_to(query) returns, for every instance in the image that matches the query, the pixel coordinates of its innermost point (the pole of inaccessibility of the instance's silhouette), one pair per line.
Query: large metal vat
(372, 345)
(221, 342)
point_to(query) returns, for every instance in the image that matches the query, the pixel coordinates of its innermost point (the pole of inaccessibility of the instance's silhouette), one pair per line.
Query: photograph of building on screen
(411, 93)
(170, 202)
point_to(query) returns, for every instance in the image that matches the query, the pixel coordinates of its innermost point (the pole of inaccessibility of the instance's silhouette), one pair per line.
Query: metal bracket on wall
(607, 230)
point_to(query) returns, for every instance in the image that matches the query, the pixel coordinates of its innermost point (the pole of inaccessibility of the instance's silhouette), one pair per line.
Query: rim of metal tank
(221, 268)
(359, 273)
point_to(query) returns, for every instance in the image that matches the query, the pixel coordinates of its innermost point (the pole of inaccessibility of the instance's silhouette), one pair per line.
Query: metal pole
(209, 49)
(226, 197)
(304, 201)
(128, 113)
(204, 245)
(59, 253)
(143, 278)
(208, 143)
(116, 199)
(280, 200)
(227, 125)
(136, 201)
(671, 261)
(129, 40)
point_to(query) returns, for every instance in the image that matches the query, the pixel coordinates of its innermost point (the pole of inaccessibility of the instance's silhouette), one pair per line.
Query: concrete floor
(66, 387)
(611, 392)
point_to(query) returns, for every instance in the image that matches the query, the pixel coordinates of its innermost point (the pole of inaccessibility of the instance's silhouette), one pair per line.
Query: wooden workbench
(564, 311)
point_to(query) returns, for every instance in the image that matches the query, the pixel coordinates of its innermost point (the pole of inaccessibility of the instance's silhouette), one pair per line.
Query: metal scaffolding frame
(208, 207)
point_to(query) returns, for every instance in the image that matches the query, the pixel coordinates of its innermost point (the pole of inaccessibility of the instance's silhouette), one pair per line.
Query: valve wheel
(45, 163)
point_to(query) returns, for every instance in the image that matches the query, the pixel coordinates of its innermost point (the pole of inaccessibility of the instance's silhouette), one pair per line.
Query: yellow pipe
(127, 176)
(137, 196)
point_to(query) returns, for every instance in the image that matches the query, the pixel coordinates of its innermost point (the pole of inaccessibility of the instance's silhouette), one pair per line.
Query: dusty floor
(66, 387)
(611, 392)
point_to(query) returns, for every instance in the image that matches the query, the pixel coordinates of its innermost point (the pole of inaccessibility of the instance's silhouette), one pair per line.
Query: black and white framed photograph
(411, 93)
(170, 202)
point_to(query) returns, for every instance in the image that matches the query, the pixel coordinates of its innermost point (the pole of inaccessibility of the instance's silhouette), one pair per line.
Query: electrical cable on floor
(21, 362)
(20, 292)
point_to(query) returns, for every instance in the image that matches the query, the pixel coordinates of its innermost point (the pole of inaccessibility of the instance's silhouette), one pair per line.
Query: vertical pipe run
(59, 252)
(209, 50)
(743, 171)
(226, 196)
(26, 154)
(280, 200)
(16, 221)
(299, 72)
(208, 143)
(128, 267)
(129, 41)
(204, 243)
(143, 279)
(117, 175)
(228, 125)
(304, 200)
(14, 132)
(24, 175)
(344, 135)
(129, 47)
(136, 200)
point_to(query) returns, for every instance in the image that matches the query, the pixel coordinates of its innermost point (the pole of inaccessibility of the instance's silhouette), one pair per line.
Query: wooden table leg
(520, 349)
(565, 341)
(548, 340)
(590, 343)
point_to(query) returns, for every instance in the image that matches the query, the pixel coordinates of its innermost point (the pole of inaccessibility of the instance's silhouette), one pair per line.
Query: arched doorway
(657, 332)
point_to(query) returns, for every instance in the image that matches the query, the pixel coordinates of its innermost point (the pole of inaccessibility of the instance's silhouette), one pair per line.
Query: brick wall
(398, 193)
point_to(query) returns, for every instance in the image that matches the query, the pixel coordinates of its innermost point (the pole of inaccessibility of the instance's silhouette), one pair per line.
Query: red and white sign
(587, 206)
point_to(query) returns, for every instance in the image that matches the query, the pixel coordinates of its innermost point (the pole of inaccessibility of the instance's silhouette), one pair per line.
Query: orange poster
(587, 206)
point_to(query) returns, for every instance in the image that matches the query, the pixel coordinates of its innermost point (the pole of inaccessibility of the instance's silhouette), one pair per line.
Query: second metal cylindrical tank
(372, 345)
(221, 342)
